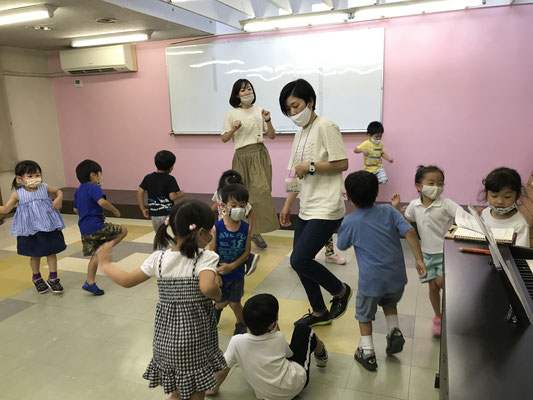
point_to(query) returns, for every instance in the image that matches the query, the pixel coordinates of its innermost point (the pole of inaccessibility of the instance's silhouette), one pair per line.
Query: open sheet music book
(500, 235)
(470, 227)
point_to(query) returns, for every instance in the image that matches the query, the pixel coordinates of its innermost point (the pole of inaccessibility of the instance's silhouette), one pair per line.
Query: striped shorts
(382, 176)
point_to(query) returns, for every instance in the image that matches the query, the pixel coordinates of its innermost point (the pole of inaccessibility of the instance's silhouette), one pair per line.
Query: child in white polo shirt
(433, 216)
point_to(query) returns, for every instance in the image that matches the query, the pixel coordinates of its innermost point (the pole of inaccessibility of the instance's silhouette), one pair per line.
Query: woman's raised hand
(266, 115)
(237, 124)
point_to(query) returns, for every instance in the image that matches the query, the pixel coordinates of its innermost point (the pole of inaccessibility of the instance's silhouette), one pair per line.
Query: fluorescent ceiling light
(101, 40)
(23, 14)
(295, 21)
(413, 8)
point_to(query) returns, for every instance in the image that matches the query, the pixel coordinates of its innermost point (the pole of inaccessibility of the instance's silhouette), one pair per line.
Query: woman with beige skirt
(245, 124)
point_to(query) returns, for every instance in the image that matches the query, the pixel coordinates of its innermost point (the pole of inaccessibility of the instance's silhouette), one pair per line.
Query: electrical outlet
(77, 83)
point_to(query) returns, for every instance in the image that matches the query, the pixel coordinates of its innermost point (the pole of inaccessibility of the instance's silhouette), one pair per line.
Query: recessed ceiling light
(106, 20)
(43, 28)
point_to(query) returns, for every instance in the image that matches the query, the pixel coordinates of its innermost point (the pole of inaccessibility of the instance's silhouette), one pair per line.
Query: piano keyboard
(525, 268)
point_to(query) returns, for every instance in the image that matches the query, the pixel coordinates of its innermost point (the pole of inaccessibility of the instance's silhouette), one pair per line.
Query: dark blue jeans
(309, 237)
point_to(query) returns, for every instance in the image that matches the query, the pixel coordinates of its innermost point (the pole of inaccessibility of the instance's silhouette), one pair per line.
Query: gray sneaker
(321, 360)
(259, 241)
(40, 285)
(55, 285)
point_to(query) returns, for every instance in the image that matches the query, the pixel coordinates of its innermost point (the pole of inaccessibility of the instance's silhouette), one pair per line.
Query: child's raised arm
(106, 205)
(58, 201)
(120, 277)
(414, 244)
(10, 204)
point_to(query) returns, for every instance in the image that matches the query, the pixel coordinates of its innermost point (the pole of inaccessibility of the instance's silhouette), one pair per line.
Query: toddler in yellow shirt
(373, 152)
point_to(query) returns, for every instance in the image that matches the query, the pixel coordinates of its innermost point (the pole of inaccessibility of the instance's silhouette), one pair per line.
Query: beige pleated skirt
(253, 163)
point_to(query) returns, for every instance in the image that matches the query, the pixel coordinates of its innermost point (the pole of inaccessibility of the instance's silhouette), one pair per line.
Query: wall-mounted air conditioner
(99, 60)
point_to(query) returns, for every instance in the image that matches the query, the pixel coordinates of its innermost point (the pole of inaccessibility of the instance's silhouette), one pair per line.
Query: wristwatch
(312, 168)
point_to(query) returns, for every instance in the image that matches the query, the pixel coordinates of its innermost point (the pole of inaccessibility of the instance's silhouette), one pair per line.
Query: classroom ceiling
(168, 19)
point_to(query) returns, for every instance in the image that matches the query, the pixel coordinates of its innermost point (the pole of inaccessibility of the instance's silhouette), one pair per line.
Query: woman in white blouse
(318, 158)
(245, 124)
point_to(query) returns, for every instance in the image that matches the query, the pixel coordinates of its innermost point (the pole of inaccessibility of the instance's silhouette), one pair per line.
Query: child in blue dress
(37, 223)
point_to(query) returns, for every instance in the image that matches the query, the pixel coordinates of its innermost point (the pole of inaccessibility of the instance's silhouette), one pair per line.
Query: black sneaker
(322, 359)
(311, 320)
(40, 285)
(395, 342)
(251, 263)
(259, 241)
(339, 304)
(240, 329)
(55, 285)
(367, 360)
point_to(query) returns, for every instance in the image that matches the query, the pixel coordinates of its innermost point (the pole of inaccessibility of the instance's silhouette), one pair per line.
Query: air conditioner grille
(92, 71)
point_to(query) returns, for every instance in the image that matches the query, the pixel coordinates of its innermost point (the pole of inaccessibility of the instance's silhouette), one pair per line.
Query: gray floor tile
(122, 250)
(9, 307)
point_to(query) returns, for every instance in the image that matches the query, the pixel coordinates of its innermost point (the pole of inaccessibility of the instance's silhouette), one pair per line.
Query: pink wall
(457, 94)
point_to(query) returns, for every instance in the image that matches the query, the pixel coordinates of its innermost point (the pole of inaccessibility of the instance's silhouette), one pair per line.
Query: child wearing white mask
(373, 152)
(232, 243)
(503, 187)
(433, 215)
(37, 223)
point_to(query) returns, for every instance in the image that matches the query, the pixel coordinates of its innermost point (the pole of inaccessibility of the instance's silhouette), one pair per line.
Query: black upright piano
(487, 325)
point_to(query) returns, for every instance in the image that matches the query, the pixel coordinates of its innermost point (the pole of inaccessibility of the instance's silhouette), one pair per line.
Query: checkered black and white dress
(186, 352)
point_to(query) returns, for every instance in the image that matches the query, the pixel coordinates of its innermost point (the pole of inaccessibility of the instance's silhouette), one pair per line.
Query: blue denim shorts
(232, 291)
(366, 306)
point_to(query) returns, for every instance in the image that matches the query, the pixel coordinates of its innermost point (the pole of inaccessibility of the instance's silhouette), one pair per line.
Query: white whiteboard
(345, 68)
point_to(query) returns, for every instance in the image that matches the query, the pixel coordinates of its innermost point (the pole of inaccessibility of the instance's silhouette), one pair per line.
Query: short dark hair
(85, 168)
(234, 99)
(375, 127)
(227, 177)
(25, 167)
(235, 190)
(501, 178)
(259, 312)
(362, 188)
(164, 160)
(299, 88)
(422, 170)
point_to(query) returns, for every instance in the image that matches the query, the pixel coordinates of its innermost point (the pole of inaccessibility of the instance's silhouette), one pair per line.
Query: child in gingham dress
(186, 354)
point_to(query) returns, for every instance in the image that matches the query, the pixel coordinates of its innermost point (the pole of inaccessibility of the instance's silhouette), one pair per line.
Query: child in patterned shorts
(89, 204)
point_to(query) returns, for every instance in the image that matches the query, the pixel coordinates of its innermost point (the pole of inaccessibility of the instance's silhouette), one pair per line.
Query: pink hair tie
(192, 227)
(167, 221)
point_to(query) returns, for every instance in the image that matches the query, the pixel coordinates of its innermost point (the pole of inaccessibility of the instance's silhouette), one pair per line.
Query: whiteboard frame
(318, 92)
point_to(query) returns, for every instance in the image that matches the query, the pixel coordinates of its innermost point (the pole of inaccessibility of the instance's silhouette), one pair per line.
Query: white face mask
(503, 211)
(303, 117)
(375, 141)
(247, 99)
(32, 183)
(432, 192)
(236, 214)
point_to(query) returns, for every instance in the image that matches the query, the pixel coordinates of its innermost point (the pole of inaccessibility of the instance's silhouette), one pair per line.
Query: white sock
(392, 322)
(366, 343)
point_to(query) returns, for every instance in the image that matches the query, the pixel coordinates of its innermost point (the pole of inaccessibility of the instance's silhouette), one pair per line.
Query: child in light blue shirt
(374, 232)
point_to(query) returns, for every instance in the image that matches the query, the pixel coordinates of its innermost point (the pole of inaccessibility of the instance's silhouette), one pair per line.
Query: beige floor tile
(391, 379)
(350, 394)
(426, 353)
(422, 384)
(423, 327)
(148, 238)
